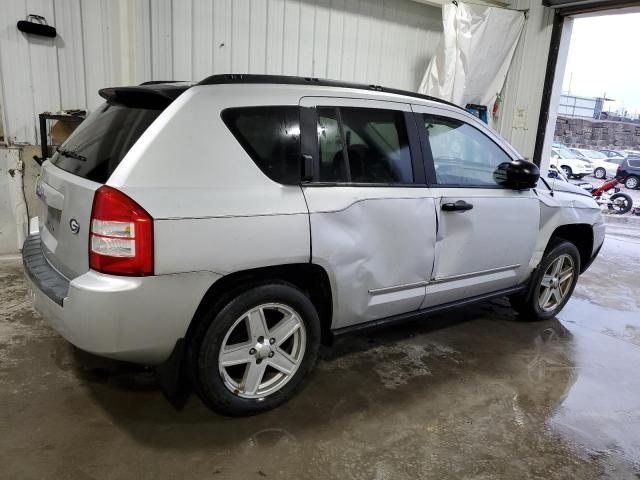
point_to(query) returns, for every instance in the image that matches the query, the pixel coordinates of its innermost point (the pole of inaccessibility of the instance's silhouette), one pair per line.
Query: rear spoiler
(155, 96)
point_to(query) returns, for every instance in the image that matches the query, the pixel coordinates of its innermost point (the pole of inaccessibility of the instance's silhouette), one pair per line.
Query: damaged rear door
(373, 223)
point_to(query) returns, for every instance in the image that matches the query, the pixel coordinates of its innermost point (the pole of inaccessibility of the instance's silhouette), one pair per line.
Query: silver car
(224, 230)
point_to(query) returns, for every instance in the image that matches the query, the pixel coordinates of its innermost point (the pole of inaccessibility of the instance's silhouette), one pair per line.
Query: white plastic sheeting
(474, 54)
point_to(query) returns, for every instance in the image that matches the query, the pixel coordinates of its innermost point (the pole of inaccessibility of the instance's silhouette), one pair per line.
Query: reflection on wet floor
(471, 393)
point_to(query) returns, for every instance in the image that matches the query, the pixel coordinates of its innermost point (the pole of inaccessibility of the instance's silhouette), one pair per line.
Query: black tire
(567, 171)
(624, 206)
(527, 303)
(204, 349)
(600, 173)
(631, 182)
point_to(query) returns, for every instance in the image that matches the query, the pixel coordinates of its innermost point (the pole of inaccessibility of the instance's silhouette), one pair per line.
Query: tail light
(121, 236)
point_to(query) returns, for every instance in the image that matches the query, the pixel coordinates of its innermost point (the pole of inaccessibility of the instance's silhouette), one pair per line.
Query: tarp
(474, 54)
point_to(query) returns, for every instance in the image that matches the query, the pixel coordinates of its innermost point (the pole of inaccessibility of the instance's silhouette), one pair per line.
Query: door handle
(459, 206)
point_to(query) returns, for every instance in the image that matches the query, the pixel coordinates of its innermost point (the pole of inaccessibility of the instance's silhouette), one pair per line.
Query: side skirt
(418, 314)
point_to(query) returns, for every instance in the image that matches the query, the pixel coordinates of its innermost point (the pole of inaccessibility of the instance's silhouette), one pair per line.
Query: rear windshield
(99, 144)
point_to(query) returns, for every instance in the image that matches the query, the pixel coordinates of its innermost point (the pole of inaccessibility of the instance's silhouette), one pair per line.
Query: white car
(223, 230)
(571, 165)
(603, 166)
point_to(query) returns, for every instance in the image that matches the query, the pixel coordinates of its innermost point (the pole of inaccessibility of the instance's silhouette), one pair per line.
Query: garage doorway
(567, 12)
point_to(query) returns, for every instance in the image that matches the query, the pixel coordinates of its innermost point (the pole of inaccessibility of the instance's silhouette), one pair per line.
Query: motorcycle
(617, 203)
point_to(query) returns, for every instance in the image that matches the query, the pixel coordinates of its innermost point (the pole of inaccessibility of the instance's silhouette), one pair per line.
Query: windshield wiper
(71, 154)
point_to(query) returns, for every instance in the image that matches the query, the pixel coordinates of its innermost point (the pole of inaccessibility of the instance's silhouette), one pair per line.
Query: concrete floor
(470, 394)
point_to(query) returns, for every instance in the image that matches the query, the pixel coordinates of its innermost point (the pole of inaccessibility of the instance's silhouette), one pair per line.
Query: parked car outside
(602, 165)
(629, 170)
(223, 230)
(635, 153)
(557, 173)
(571, 165)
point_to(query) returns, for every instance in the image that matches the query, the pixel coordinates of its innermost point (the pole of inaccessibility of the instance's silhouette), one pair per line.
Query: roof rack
(290, 80)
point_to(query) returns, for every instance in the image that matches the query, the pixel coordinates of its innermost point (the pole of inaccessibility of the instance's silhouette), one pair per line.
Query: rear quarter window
(271, 137)
(635, 163)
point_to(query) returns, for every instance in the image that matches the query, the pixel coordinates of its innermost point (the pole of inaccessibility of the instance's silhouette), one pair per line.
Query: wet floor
(470, 394)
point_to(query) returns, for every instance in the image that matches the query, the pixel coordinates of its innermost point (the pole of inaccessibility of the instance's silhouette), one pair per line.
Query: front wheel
(631, 182)
(552, 283)
(567, 171)
(600, 173)
(620, 203)
(258, 351)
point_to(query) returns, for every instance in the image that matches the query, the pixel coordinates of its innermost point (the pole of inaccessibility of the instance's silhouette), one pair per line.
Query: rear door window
(364, 145)
(271, 137)
(99, 144)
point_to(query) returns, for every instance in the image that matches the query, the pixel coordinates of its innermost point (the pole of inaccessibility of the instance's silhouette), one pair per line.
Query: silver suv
(224, 230)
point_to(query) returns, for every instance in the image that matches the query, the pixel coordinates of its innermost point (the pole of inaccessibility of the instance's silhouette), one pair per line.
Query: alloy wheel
(631, 183)
(556, 282)
(600, 173)
(262, 350)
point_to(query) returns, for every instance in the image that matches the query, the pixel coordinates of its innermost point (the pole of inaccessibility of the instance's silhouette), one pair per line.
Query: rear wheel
(567, 171)
(552, 283)
(258, 351)
(600, 173)
(631, 182)
(620, 203)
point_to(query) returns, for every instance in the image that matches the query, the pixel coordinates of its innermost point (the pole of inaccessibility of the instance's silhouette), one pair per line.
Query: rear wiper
(71, 154)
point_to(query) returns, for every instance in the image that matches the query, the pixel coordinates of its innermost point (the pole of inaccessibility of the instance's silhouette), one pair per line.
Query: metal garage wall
(520, 111)
(118, 42)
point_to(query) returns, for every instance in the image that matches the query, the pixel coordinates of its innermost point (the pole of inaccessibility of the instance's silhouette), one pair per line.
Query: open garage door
(565, 10)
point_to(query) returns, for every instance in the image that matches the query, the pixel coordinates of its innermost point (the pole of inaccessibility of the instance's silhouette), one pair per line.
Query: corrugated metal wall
(523, 88)
(118, 42)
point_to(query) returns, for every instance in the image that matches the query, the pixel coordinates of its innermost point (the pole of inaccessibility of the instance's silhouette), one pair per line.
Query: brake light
(121, 236)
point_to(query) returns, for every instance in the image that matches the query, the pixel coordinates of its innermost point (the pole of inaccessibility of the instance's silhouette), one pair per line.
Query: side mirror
(518, 174)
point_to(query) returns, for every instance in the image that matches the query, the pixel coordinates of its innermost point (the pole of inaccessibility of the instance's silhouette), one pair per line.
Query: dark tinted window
(99, 144)
(363, 145)
(462, 155)
(634, 162)
(271, 136)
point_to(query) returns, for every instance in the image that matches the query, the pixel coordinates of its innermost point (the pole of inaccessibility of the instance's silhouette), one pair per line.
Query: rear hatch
(85, 162)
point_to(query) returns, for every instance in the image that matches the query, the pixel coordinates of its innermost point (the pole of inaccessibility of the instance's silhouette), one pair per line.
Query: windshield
(578, 153)
(564, 153)
(99, 144)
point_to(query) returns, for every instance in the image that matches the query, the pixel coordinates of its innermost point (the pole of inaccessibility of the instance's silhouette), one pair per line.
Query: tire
(529, 303)
(623, 205)
(229, 390)
(600, 173)
(631, 182)
(567, 171)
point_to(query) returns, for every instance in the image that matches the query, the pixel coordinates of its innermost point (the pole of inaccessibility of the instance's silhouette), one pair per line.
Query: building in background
(582, 107)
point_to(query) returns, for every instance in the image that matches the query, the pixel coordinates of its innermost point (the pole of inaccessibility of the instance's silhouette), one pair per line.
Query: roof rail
(160, 82)
(290, 80)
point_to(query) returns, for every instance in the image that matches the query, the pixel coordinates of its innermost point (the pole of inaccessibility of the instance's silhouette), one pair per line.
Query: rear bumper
(137, 319)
